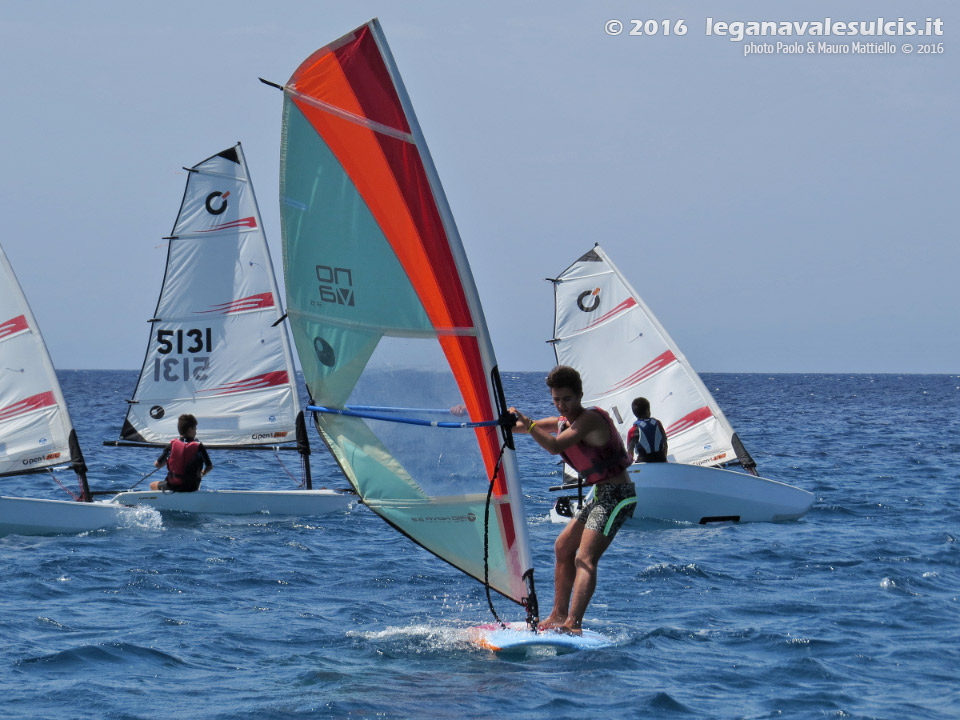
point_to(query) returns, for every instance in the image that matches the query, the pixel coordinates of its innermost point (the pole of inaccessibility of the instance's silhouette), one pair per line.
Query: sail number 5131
(180, 342)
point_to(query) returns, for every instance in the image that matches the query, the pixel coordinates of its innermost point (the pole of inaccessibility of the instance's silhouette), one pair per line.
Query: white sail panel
(216, 349)
(34, 424)
(597, 311)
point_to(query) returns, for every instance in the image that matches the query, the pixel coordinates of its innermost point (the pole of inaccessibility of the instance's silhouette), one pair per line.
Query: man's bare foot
(551, 623)
(569, 630)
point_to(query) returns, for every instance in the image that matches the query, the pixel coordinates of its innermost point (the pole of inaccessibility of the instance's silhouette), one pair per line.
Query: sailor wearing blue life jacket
(186, 459)
(646, 439)
(588, 441)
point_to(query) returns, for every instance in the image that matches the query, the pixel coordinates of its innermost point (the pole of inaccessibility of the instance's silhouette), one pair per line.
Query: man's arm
(207, 464)
(587, 423)
(163, 456)
(550, 424)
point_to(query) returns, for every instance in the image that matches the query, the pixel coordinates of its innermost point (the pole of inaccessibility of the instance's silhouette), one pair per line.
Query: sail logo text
(40, 458)
(710, 460)
(469, 517)
(336, 285)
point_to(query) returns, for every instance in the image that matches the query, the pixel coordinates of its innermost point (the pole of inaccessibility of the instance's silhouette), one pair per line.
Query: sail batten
(385, 314)
(354, 118)
(389, 330)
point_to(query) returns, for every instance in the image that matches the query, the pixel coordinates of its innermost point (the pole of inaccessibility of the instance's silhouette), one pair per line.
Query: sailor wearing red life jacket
(186, 459)
(588, 441)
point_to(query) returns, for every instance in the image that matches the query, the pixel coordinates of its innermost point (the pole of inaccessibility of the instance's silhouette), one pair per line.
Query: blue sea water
(851, 612)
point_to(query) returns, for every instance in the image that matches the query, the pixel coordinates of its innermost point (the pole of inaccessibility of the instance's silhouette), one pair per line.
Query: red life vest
(184, 465)
(597, 464)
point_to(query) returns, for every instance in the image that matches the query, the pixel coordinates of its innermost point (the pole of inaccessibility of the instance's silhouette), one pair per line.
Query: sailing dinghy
(604, 330)
(218, 349)
(387, 321)
(36, 434)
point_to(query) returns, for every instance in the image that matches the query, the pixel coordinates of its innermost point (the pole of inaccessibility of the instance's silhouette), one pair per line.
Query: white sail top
(216, 349)
(34, 424)
(604, 330)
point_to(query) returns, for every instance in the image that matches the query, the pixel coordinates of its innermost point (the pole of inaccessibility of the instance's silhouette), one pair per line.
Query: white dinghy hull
(241, 502)
(694, 494)
(34, 516)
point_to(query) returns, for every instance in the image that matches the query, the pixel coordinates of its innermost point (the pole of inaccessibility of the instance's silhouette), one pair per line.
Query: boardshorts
(183, 487)
(609, 509)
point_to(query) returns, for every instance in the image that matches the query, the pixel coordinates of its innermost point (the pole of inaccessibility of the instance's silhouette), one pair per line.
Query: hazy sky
(778, 212)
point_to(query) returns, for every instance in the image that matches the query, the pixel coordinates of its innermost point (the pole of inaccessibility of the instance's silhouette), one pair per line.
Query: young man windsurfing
(588, 441)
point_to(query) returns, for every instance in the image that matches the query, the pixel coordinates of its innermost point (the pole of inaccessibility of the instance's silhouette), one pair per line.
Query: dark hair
(641, 407)
(563, 376)
(185, 422)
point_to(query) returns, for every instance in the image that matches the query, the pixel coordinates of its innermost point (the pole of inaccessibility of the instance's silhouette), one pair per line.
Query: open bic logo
(589, 300)
(216, 203)
(336, 285)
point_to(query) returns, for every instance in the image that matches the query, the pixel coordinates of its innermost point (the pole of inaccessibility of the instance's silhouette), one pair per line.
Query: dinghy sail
(35, 429)
(387, 320)
(595, 307)
(218, 348)
(36, 434)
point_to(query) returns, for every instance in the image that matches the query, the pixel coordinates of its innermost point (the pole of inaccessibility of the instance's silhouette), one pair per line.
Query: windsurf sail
(387, 320)
(36, 433)
(604, 330)
(217, 347)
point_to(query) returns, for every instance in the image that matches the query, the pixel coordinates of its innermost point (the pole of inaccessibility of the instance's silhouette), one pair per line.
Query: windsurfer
(646, 437)
(588, 441)
(186, 459)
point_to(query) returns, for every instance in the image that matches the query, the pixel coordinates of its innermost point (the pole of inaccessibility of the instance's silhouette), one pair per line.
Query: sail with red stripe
(604, 330)
(386, 317)
(216, 349)
(35, 427)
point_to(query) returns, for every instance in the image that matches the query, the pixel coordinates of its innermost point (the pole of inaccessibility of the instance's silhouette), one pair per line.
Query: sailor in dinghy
(186, 459)
(640, 358)
(219, 351)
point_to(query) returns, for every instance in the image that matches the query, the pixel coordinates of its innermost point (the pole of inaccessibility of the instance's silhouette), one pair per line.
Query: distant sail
(216, 349)
(604, 330)
(35, 428)
(386, 316)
